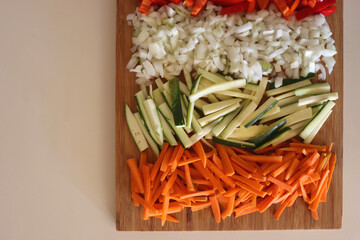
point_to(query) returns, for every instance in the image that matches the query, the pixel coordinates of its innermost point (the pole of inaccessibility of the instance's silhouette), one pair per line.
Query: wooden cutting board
(128, 217)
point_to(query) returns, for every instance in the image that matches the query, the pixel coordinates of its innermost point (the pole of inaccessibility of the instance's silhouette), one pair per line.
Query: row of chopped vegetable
(301, 8)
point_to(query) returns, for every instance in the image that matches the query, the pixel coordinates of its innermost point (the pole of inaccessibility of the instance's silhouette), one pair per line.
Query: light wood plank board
(128, 217)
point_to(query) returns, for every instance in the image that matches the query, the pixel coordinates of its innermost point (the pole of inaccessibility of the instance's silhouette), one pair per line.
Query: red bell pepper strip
(283, 7)
(252, 4)
(263, 4)
(235, 8)
(176, 1)
(227, 2)
(305, 12)
(199, 5)
(328, 11)
(145, 6)
(189, 3)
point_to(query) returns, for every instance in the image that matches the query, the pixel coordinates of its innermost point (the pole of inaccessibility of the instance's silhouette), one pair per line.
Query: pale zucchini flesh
(272, 111)
(316, 88)
(289, 100)
(264, 108)
(236, 94)
(135, 130)
(285, 95)
(284, 111)
(191, 105)
(316, 119)
(286, 136)
(318, 98)
(261, 90)
(148, 138)
(317, 128)
(259, 140)
(233, 143)
(287, 88)
(224, 122)
(216, 88)
(301, 115)
(206, 130)
(214, 107)
(244, 134)
(239, 119)
(152, 113)
(168, 133)
(211, 117)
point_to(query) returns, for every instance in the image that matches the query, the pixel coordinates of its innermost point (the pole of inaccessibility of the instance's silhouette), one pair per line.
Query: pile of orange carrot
(231, 180)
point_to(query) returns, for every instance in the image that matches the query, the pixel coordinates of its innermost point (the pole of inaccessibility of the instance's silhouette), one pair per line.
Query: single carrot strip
(220, 174)
(230, 207)
(265, 203)
(165, 209)
(282, 208)
(270, 148)
(188, 161)
(168, 218)
(332, 163)
(133, 186)
(304, 151)
(273, 166)
(293, 198)
(249, 182)
(304, 194)
(309, 146)
(281, 169)
(245, 212)
(223, 201)
(315, 215)
(199, 193)
(243, 207)
(155, 195)
(218, 162)
(142, 202)
(169, 184)
(198, 148)
(275, 190)
(208, 175)
(201, 199)
(323, 161)
(189, 183)
(172, 205)
(281, 184)
(243, 164)
(147, 192)
(241, 171)
(253, 200)
(262, 158)
(181, 185)
(215, 208)
(175, 157)
(314, 205)
(242, 151)
(310, 160)
(291, 169)
(294, 140)
(312, 178)
(136, 173)
(232, 191)
(166, 159)
(199, 206)
(258, 177)
(228, 169)
(158, 162)
(165, 174)
(282, 197)
(330, 147)
(245, 196)
(320, 186)
(251, 189)
(296, 176)
(202, 182)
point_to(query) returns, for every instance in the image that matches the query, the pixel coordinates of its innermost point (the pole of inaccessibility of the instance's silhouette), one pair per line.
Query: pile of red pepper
(301, 8)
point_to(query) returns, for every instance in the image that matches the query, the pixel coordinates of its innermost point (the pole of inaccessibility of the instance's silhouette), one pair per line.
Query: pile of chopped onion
(244, 45)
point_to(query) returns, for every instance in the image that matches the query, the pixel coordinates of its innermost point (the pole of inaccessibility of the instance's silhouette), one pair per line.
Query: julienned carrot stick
(265, 203)
(220, 174)
(309, 146)
(189, 183)
(249, 182)
(241, 171)
(310, 160)
(158, 162)
(230, 207)
(198, 148)
(169, 184)
(143, 159)
(320, 186)
(243, 164)
(282, 208)
(199, 206)
(270, 148)
(202, 182)
(218, 162)
(312, 178)
(199, 193)
(293, 165)
(232, 191)
(147, 190)
(136, 173)
(332, 163)
(173, 162)
(215, 208)
(228, 169)
(188, 161)
(251, 189)
(246, 211)
(262, 158)
(168, 218)
(281, 184)
(242, 151)
(281, 169)
(208, 175)
(165, 209)
(166, 159)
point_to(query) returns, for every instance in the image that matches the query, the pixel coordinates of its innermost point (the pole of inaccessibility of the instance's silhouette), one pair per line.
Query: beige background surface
(57, 97)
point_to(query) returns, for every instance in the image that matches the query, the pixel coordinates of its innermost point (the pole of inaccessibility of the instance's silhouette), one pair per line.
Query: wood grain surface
(128, 217)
